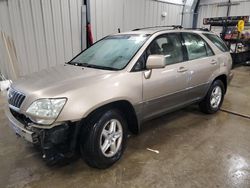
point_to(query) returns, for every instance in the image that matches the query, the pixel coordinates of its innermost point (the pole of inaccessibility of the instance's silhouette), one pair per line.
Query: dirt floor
(195, 150)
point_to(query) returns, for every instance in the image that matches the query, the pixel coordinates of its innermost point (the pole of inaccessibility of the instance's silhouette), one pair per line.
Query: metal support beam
(188, 13)
(196, 12)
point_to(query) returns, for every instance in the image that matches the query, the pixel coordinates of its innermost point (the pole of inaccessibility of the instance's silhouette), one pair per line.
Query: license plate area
(22, 133)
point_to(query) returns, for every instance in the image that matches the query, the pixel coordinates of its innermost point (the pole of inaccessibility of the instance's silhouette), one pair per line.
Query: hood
(59, 79)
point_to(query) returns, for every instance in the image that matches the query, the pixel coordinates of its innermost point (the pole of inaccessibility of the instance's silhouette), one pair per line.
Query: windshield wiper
(77, 64)
(91, 66)
(101, 67)
(73, 63)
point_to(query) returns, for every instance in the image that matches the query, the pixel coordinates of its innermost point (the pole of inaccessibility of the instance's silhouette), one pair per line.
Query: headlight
(45, 111)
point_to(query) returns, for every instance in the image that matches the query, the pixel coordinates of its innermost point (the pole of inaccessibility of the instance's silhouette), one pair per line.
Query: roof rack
(169, 26)
(198, 29)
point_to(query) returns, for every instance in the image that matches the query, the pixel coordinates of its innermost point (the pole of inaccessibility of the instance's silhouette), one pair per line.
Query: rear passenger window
(168, 45)
(217, 41)
(196, 46)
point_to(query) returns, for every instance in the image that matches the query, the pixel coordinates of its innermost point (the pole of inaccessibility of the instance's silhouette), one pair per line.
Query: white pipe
(169, 2)
(10, 58)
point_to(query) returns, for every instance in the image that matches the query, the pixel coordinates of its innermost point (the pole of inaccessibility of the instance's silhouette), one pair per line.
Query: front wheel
(214, 98)
(106, 139)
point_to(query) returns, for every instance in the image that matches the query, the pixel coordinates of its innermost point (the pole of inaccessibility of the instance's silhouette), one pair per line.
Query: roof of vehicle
(152, 30)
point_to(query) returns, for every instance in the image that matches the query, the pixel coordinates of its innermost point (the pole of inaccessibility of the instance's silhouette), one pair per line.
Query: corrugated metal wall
(109, 15)
(213, 10)
(37, 34)
(242, 9)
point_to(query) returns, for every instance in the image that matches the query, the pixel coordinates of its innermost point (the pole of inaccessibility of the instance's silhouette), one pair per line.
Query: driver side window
(168, 45)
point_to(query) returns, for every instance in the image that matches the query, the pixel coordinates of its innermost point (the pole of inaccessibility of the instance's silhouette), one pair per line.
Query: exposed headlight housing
(45, 111)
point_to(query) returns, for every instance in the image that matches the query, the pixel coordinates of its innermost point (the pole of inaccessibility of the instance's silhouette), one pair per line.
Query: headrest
(167, 47)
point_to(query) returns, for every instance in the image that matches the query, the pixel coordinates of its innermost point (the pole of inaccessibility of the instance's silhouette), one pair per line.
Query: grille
(15, 98)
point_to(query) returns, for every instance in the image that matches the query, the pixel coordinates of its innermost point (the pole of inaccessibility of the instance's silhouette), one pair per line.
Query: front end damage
(56, 143)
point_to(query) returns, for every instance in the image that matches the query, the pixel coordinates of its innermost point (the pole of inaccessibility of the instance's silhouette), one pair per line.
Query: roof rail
(199, 29)
(170, 26)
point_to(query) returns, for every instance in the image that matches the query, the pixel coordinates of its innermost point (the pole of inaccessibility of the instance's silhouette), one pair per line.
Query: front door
(165, 89)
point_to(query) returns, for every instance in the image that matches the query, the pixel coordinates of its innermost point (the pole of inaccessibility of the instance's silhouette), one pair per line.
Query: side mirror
(155, 62)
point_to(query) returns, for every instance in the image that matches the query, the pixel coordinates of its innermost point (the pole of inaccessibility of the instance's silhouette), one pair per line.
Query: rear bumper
(20, 129)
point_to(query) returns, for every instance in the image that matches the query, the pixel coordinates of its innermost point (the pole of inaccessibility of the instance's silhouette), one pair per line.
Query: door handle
(213, 62)
(182, 69)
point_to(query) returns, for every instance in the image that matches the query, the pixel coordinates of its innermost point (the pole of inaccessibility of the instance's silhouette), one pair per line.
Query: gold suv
(91, 102)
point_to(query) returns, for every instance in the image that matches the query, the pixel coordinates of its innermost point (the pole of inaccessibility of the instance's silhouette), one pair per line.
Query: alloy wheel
(111, 138)
(216, 96)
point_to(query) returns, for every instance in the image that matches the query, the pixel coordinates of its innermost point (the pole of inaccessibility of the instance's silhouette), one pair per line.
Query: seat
(170, 52)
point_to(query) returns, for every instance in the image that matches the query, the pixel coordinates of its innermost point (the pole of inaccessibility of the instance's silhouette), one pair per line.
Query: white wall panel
(29, 35)
(75, 27)
(66, 29)
(4, 27)
(242, 9)
(38, 34)
(58, 32)
(49, 32)
(18, 37)
(42, 33)
(109, 15)
(206, 2)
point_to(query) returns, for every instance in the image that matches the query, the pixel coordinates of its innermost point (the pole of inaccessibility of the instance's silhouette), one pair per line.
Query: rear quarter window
(217, 41)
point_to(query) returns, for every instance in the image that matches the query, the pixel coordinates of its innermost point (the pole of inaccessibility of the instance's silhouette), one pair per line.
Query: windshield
(112, 52)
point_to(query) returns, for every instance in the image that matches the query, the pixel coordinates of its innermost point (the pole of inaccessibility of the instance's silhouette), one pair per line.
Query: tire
(209, 106)
(99, 132)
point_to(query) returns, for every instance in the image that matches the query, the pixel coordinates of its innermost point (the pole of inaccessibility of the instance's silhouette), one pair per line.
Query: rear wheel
(105, 140)
(214, 98)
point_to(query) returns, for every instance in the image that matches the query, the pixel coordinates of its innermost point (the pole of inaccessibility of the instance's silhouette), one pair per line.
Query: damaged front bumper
(20, 129)
(55, 143)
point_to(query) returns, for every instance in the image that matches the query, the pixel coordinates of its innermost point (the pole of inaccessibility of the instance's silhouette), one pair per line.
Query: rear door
(202, 64)
(223, 53)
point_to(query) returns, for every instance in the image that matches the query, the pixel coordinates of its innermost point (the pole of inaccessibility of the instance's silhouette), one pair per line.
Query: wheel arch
(223, 78)
(127, 110)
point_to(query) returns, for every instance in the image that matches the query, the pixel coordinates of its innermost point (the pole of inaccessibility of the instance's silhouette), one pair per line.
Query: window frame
(145, 55)
(205, 42)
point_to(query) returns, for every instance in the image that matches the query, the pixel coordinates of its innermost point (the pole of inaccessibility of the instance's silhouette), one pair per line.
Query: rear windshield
(217, 41)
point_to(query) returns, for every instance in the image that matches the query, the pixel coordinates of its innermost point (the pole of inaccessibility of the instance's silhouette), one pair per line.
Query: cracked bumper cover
(54, 142)
(54, 136)
(20, 129)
